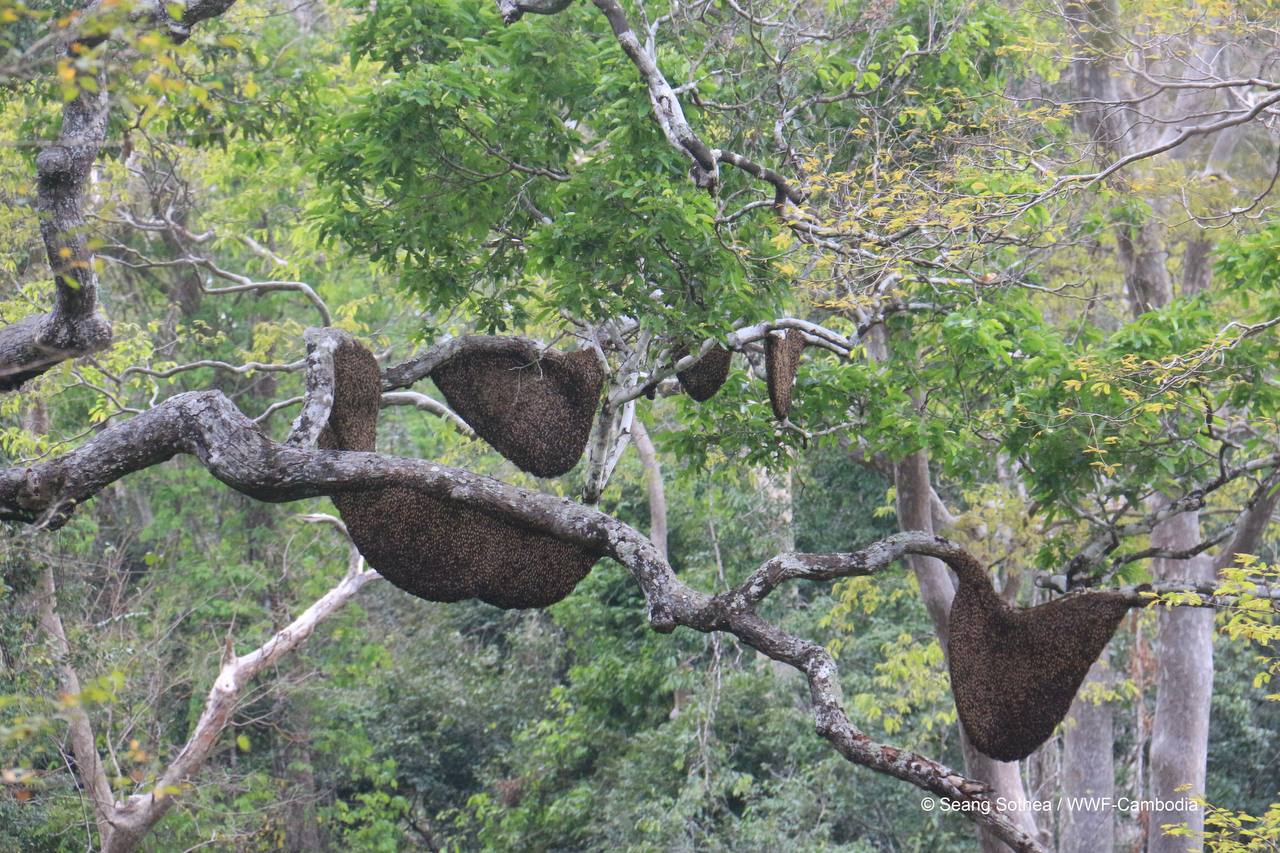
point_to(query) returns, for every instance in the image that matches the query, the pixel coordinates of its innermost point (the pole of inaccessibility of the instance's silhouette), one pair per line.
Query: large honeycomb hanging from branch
(535, 408)
(1015, 671)
(781, 358)
(703, 380)
(432, 548)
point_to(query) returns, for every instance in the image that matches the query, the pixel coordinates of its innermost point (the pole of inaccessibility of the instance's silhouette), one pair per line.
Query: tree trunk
(1142, 251)
(915, 512)
(1088, 772)
(292, 764)
(1184, 687)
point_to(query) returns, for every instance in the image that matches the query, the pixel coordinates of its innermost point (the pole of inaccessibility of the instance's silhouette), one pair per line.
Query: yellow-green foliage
(911, 683)
(1249, 616)
(1227, 831)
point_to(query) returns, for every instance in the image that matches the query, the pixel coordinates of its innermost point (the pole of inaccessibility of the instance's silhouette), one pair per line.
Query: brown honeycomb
(781, 358)
(703, 380)
(433, 548)
(1014, 671)
(536, 409)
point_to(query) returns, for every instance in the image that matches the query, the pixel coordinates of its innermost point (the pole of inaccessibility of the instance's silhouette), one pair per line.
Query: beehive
(1014, 671)
(781, 358)
(536, 409)
(703, 380)
(432, 548)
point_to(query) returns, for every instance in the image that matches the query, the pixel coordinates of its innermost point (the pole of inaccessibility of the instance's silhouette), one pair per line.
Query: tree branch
(208, 426)
(430, 405)
(136, 816)
(76, 326)
(514, 10)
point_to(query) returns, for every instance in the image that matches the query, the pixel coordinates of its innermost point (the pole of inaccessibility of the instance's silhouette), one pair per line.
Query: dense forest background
(1065, 357)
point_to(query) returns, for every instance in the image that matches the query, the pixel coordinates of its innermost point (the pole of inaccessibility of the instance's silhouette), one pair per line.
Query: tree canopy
(1021, 257)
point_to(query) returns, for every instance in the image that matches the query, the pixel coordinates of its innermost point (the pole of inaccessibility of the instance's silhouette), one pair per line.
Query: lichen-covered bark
(209, 427)
(76, 326)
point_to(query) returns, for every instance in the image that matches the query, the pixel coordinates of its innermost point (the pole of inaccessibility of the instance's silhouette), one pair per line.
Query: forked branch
(209, 427)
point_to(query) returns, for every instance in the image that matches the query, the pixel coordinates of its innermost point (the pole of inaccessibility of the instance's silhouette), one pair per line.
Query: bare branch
(131, 820)
(431, 405)
(246, 367)
(1185, 134)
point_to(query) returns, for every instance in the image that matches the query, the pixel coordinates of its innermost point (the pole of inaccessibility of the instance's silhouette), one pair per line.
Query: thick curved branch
(421, 365)
(208, 426)
(424, 363)
(76, 326)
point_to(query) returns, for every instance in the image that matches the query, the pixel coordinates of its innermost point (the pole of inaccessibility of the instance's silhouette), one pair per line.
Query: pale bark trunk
(1184, 687)
(1197, 267)
(915, 512)
(1088, 771)
(84, 747)
(1143, 254)
(653, 485)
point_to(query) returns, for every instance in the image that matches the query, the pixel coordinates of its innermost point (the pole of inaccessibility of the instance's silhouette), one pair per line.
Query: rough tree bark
(209, 427)
(76, 326)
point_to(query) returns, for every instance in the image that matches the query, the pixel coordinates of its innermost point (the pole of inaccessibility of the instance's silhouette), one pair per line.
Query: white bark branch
(135, 817)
